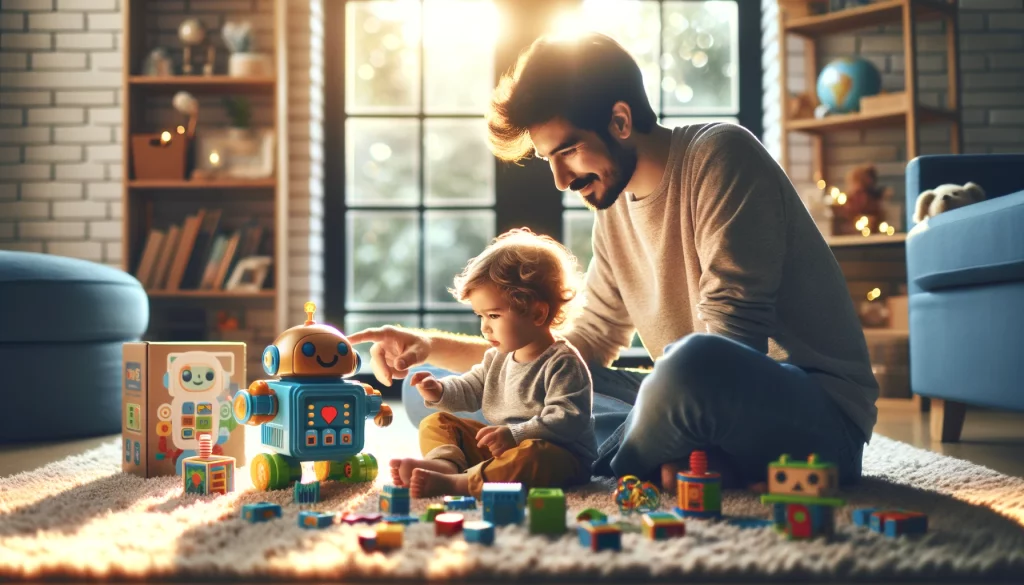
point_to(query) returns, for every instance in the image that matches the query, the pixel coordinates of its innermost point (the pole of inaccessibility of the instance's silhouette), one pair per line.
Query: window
(412, 192)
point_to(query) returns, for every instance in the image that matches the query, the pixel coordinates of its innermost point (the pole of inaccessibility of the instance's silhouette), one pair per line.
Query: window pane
(459, 166)
(700, 59)
(359, 321)
(453, 237)
(382, 73)
(458, 58)
(635, 26)
(577, 231)
(382, 162)
(382, 259)
(468, 324)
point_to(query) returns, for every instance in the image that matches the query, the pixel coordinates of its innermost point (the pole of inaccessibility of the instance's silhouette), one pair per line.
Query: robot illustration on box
(311, 413)
(199, 385)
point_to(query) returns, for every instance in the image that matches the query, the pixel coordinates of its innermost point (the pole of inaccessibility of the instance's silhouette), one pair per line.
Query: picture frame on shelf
(249, 274)
(235, 153)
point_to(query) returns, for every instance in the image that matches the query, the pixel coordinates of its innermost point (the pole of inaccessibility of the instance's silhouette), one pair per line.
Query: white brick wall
(992, 91)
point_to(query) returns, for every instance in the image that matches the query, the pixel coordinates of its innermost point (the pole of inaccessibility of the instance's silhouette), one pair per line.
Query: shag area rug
(82, 519)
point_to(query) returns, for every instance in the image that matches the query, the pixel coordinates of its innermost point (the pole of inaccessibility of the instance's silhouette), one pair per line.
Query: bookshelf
(215, 222)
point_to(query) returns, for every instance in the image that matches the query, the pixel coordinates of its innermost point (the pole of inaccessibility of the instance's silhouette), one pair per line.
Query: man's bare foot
(401, 469)
(427, 483)
(668, 476)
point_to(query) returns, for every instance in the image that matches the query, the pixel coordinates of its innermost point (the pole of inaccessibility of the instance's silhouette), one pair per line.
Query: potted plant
(240, 130)
(243, 62)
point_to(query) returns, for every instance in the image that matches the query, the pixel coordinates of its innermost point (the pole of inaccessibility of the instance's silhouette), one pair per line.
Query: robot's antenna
(309, 308)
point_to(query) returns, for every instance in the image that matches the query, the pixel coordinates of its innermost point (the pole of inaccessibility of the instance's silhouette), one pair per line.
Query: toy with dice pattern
(311, 413)
(547, 511)
(394, 501)
(207, 473)
(261, 512)
(479, 531)
(503, 503)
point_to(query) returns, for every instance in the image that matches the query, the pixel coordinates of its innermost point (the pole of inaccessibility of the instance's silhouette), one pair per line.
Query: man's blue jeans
(713, 394)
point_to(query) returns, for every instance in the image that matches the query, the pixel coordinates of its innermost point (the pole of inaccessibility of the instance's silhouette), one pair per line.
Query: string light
(165, 137)
(874, 294)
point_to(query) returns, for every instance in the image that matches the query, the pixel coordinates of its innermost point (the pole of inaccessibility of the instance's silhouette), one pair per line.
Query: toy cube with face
(811, 478)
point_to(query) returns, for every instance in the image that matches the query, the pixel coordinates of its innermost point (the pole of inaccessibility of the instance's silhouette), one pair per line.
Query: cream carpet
(81, 518)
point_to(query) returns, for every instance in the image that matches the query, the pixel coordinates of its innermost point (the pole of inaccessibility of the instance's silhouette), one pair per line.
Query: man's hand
(428, 386)
(393, 352)
(497, 439)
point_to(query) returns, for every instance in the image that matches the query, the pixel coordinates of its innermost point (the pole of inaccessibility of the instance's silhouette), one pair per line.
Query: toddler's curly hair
(527, 267)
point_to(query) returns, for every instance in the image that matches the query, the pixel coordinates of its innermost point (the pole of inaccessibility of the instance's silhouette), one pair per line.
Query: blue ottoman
(62, 323)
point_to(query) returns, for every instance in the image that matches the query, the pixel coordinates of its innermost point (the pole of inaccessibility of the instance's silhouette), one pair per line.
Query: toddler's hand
(428, 386)
(497, 439)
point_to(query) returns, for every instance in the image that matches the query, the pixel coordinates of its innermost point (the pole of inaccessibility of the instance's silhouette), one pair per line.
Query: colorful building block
(698, 491)
(504, 503)
(389, 536)
(598, 537)
(214, 474)
(479, 531)
(306, 493)
(662, 525)
(401, 519)
(459, 503)
(311, 519)
(547, 511)
(448, 524)
(352, 518)
(432, 512)
(593, 515)
(802, 495)
(891, 522)
(260, 512)
(368, 540)
(394, 501)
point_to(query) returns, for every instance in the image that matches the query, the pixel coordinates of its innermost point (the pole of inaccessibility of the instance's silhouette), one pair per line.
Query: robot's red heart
(329, 413)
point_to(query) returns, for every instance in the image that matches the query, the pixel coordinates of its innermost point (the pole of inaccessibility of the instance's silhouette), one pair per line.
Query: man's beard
(623, 166)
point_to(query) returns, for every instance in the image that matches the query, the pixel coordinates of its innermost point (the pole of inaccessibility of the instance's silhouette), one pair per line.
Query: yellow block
(390, 536)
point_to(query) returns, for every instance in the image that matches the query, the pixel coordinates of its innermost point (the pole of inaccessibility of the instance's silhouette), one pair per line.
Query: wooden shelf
(212, 84)
(876, 14)
(860, 120)
(210, 294)
(268, 183)
(872, 240)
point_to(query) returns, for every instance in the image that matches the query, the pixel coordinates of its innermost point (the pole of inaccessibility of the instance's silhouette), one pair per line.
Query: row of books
(197, 254)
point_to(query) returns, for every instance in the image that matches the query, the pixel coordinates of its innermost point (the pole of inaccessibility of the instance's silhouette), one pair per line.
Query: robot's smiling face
(197, 378)
(323, 354)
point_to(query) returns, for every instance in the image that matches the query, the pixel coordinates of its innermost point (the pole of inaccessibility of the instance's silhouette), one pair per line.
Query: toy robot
(199, 385)
(311, 413)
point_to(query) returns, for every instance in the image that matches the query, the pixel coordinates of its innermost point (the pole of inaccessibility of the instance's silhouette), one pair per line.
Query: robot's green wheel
(274, 472)
(356, 469)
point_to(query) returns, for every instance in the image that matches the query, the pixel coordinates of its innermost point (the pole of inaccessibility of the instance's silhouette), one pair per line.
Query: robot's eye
(812, 479)
(342, 348)
(186, 375)
(209, 376)
(308, 349)
(780, 476)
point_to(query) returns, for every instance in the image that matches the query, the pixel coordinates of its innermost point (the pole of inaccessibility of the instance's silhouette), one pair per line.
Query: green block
(811, 463)
(547, 511)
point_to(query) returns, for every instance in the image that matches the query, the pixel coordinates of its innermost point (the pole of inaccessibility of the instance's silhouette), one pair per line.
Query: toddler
(532, 385)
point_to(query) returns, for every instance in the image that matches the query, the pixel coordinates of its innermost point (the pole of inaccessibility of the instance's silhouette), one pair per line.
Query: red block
(448, 524)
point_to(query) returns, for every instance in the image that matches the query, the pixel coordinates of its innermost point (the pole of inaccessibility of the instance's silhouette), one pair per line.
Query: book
(147, 260)
(158, 279)
(184, 252)
(200, 250)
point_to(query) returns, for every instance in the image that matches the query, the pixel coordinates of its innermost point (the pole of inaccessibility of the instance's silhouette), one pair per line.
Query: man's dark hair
(578, 79)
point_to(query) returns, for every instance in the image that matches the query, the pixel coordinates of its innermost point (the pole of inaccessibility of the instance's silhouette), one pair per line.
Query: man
(703, 247)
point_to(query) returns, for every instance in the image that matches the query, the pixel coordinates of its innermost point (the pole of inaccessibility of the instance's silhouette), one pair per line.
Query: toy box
(173, 392)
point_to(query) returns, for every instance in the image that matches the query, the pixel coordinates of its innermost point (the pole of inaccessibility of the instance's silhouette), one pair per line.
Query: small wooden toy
(389, 536)
(207, 473)
(598, 537)
(260, 512)
(803, 497)
(401, 519)
(698, 491)
(891, 522)
(394, 500)
(448, 524)
(306, 493)
(368, 540)
(547, 511)
(479, 531)
(352, 518)
(593, 515)
(662, 525)
(632, 495)
(432, 511)
(459, 503)
(504, 503)
(309, 519)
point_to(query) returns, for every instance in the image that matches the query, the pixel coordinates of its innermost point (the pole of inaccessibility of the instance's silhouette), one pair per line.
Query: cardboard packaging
(173, 392)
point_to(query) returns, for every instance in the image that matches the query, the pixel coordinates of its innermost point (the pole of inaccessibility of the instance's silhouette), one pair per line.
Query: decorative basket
(156, 158)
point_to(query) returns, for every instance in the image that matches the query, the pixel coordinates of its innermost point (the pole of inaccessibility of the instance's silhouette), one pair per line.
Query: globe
(844, 81)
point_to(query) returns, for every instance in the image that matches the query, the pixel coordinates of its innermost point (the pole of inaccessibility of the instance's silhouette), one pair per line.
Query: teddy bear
(864, 198)
(945, 198)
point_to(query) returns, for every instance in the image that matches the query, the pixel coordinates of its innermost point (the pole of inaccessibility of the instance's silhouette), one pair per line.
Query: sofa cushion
(46, 298)
(982, 243)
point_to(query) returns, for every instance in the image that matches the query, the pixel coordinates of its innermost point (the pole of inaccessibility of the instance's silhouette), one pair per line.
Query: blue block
(504, 503)
(394, 501)
(306, 493)
(479, 531)
(401, 519)
(862, 516)
(459, 503)
(312, 520)
(260, 512)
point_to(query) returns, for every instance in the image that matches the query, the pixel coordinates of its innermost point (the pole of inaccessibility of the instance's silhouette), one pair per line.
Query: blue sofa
(965, 277)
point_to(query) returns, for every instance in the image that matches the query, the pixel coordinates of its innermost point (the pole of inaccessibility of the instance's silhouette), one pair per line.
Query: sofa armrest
(998, 174)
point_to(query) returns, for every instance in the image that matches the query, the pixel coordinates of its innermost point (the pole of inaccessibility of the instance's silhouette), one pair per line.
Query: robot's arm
(256, 405)
(384, 416)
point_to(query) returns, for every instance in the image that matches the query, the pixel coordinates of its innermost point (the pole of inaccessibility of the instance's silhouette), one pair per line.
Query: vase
(249, 65)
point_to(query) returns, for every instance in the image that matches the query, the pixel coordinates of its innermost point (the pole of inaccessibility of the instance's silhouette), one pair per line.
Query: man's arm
(455, 352)
(604, 327)
(740, 232)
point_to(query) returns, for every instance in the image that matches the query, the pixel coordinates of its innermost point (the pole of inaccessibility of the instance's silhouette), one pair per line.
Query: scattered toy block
(306, 493)
(592, 515)
(433, 510)
(662, 525)
(598, 537)
(401, 519)
(353, 518)
(479, 531)
(368, 540)
(213, 474)
(547, 511)
(389, 536)
(504, 503)
(260, 512)
(459, 503)
(309, 519)
(394, 500)
(448, 524)
(891, 522)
